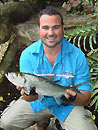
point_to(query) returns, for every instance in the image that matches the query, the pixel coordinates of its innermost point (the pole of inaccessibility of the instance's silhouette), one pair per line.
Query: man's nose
(50, 32)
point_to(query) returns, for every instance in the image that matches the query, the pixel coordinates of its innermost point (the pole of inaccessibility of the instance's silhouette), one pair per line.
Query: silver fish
(43, 86)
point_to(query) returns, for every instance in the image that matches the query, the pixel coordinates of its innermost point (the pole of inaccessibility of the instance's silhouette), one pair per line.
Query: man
(53, 55)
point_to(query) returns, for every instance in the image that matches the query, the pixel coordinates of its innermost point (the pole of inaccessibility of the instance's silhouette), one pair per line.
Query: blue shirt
(70, 61)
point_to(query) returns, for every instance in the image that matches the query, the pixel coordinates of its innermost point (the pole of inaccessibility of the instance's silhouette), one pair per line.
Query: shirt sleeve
(25, 63)
(83, 74)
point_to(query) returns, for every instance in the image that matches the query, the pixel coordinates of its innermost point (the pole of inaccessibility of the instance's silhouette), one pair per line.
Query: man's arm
(30, 98)
(26, 97)
(81, 99)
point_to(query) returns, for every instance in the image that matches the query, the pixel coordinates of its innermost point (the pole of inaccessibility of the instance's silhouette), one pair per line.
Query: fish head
(18, 79)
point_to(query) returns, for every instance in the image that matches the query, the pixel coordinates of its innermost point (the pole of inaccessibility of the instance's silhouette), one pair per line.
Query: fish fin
(78, 92)
(57, 99)
(79, 84)
(40, 97)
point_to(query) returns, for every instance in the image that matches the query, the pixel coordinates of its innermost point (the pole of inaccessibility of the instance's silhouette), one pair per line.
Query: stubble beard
(50, 46)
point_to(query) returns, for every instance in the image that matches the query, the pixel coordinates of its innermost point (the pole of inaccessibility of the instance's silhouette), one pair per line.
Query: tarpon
(43, 86)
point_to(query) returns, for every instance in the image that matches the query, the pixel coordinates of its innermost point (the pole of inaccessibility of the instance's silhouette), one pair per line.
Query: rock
(23, 36)
(5, 32)
(26, 33)
(12, 13)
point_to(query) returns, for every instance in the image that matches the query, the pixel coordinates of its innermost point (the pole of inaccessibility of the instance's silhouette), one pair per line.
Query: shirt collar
(38, 47)
(66, 46)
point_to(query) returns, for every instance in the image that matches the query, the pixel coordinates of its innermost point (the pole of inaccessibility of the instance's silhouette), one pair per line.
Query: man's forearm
(82, 99)
(30, 97)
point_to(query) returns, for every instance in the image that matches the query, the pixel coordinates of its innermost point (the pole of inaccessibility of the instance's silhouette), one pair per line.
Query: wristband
(65, 101)
(72, 98)
(30, 91)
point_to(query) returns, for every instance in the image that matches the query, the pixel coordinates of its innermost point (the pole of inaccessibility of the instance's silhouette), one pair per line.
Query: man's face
(51, 30)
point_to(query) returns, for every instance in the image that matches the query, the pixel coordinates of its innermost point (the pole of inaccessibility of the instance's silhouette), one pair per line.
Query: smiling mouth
(51, 38)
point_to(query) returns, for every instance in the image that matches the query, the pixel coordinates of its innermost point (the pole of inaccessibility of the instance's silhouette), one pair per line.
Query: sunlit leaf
(69, 39)
(94, 39)
(93, 101)
(1, 99)
(96, 105)
(79, 41)
(95, 92)
(8, 94)
(90, 42)
(74, 40)
(84, 42)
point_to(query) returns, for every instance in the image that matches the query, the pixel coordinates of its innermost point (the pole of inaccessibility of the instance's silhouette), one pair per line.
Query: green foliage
(92, 58)
(78, 6)
(33, 1)
(88, 34)
(94, 100)
(41, 2)
(93, 63)
(85, 32)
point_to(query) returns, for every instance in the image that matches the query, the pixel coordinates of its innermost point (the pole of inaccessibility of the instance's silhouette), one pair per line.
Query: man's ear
(63, 30)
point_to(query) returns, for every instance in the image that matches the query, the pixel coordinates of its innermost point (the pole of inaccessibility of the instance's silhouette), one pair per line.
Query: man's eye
(46, 28)
(56, 27)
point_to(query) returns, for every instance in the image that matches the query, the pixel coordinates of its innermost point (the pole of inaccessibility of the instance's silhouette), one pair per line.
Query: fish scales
(43, 86)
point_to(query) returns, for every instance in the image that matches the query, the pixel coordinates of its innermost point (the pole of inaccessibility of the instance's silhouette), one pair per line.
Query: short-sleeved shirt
(70, 61)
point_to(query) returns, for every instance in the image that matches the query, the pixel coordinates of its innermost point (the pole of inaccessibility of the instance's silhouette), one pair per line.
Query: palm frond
(94, 101)
(95, 91)
(86, 37)
(92, 58)
(94, 39)
(85, 33)
(84, 42)
(91, 41)
(94, 96)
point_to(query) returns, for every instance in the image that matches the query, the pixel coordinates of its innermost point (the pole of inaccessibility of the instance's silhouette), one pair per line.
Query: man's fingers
(19, 88)
(68, 93)
(22, 92)
(71, 92)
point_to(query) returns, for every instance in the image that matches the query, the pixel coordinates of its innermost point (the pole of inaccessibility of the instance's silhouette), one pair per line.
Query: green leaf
(94, 39)
(93, 101)
(94, 28)
(74, 40)
(96, 87)
(95, 92)
(79, 41)
(84, 42)
(96, 105)
(69, 39)
(90, 41)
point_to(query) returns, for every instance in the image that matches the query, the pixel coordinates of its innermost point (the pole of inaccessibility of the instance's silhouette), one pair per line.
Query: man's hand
(80, 99)
(27, 97)
(70, 92)
(68, 97)
(30, 98)
(21, 90)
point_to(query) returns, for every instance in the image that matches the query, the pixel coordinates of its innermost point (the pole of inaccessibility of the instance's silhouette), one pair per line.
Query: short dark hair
(50, 10)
